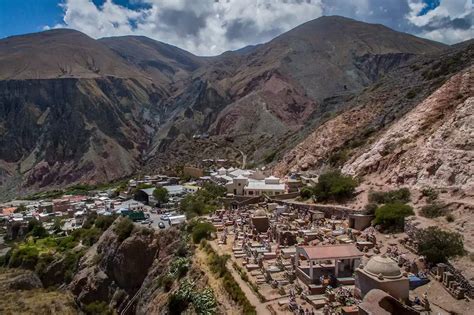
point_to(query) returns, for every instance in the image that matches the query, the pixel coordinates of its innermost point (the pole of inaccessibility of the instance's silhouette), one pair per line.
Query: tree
(202, 230)
(21, 208)
(438, 245)
(36, 229)
(392, 215)
(306, 193)
(161, 195)
(333, 185)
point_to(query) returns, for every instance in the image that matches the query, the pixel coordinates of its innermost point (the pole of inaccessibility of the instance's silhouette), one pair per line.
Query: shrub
(202, 230)
(166, 281)
(217, 264)
(433, 210)
(306, 192)
(449, 218)
(179, 267)
(334, 186)
(25, 257)
(96, 308)
(123, 228)
(87, 236)
(36, 229)
(401, 195)
(392, 215)
(430, 193)
(161, 195)
(103, 222)
(370, 208)
(438, 245)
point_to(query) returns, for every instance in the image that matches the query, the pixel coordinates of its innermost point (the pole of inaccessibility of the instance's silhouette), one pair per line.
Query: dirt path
(261, 308)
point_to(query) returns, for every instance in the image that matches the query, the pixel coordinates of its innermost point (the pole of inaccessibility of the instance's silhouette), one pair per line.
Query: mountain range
(331, 92)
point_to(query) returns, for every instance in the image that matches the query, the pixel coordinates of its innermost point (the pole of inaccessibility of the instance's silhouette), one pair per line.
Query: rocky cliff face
(358, 138)
(113, 270)
(431, 146)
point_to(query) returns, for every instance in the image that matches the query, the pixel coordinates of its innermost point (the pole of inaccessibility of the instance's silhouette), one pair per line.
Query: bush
(179, 267)
(25, 257)
(36, 229)
(87, 236)
(202, 230)
(370, 208)
(103, 222)
(161, 195)
(430, 193)
(401, 195)
(97, 307)
(438, 245)
(123, 228)
(433, 210)
(306, 193)
(450, 218)
(334, 186)
(392, 215)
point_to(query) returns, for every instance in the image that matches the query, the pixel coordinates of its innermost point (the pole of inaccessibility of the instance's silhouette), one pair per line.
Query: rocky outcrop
(112, 270)
(431, 146)
(354, 131)
(24, 280)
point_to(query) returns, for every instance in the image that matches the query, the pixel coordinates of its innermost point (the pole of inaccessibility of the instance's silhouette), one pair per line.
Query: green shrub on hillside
(306, 193)
(202, 230)
(438, 245)
(123, 228)
(391, 216)
(334, 186)
(434, 210)
(401, 195)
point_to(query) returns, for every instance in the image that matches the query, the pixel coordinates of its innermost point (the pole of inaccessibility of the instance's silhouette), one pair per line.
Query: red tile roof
(331, 251)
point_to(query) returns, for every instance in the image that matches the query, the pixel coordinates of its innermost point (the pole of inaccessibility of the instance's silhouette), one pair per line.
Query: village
(289, 255)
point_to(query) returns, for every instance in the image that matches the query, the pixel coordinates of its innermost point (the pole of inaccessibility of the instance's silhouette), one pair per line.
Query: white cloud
(439, 24)
(205, 27)
(210, 27)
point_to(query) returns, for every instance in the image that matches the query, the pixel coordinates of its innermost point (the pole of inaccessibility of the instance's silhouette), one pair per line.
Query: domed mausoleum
(382, 272)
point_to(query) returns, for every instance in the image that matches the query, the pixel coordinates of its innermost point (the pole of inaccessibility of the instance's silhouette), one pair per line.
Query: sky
(210, 27)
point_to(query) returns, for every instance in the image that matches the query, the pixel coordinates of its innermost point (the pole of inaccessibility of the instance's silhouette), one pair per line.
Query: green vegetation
(445, 66)
(202, 230)
(36, 229)
(438, 245)
(334, 186)
(161, 195)
(391, 216)
(204, 201)
(270, 157)
(370, 208)
(97, 307)
(434, 210)
(123, 228)
(39, 249)
(218, 267)
(306, 193)
(179, 267)
(401, 195)
(21, 208)
(203, 301)
(412, 93)
(430, 193)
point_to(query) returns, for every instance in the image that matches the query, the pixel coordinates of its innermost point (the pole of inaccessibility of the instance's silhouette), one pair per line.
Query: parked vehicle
(161, 225)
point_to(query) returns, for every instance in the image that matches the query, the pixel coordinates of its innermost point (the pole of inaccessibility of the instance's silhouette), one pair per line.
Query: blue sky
(208, 27)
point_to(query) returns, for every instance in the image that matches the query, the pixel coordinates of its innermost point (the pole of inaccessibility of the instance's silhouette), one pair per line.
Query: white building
(248, 186)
